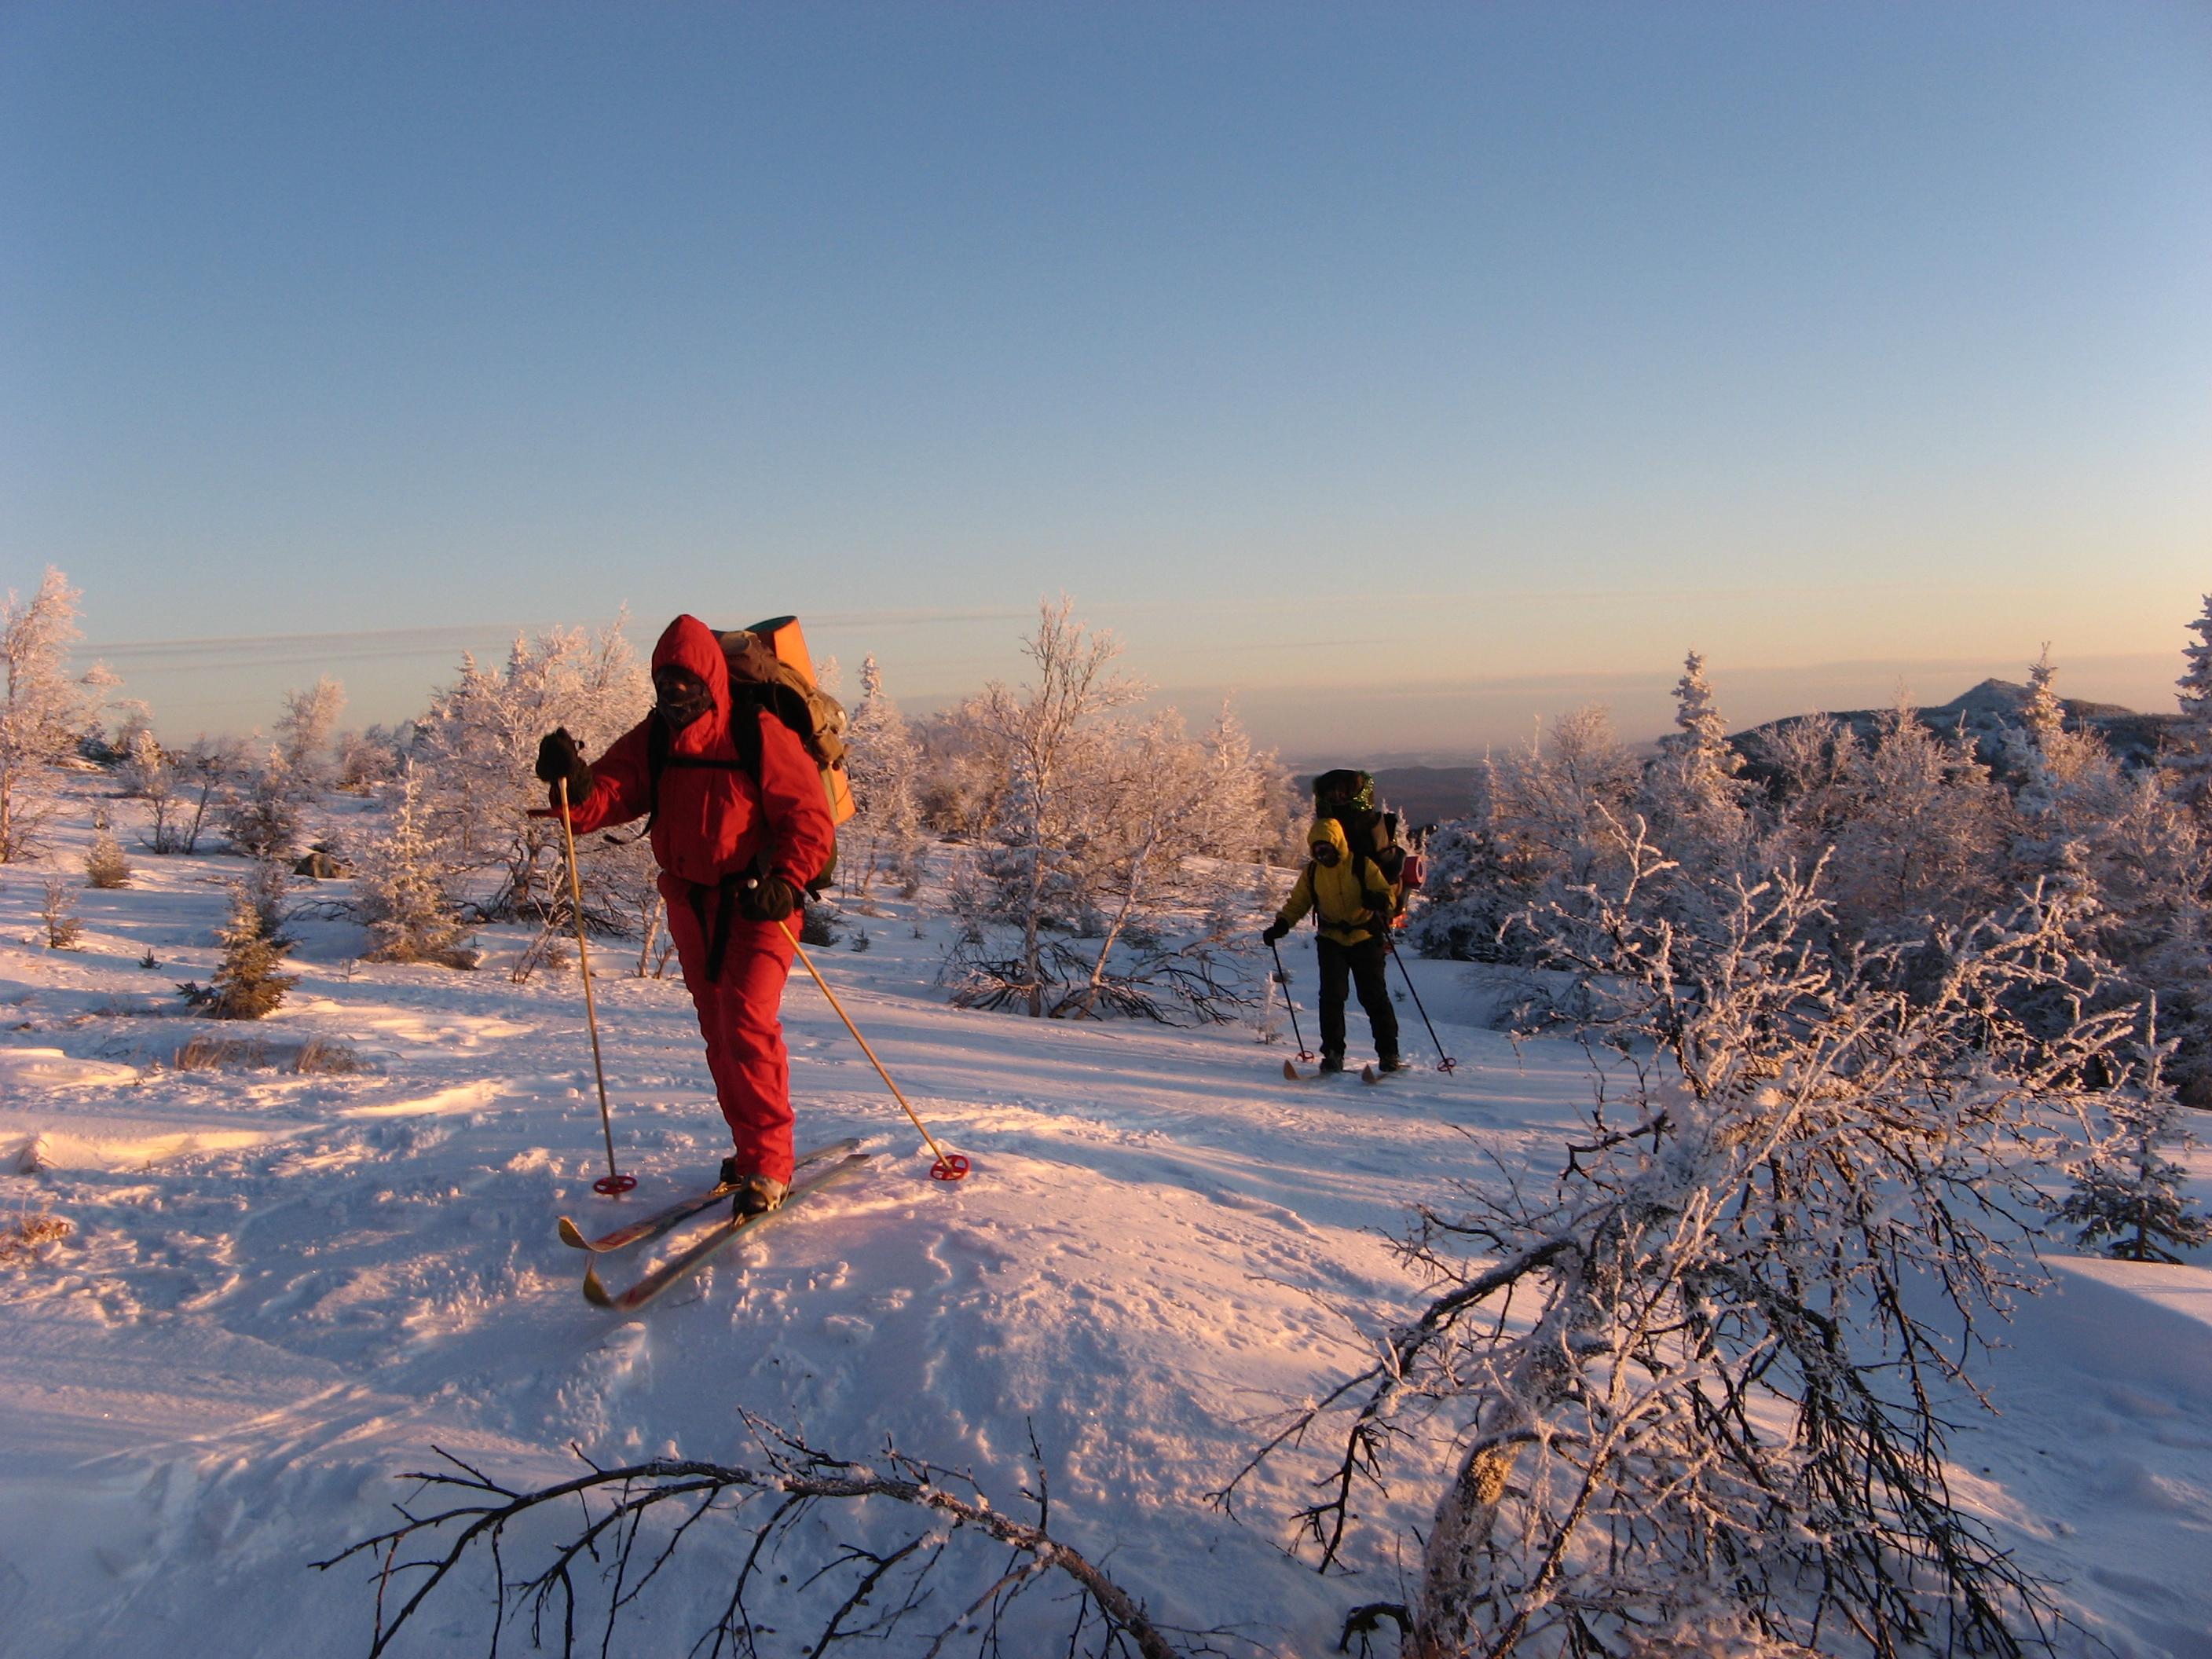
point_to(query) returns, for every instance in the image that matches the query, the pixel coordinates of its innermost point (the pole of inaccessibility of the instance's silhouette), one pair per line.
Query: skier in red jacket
(740, 825)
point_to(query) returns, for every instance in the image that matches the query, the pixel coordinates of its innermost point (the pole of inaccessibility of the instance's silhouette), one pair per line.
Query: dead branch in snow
(630, 1522)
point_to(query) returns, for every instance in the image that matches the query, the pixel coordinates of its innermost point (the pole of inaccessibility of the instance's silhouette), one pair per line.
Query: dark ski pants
(1343, 966)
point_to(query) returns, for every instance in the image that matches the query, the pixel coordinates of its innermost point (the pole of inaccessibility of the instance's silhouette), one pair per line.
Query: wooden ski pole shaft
(614, 1181)
(949, 1166)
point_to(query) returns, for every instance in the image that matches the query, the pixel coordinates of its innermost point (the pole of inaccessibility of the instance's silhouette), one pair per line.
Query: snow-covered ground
(284, 1289)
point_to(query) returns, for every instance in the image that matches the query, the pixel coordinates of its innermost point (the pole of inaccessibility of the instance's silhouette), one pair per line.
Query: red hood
(687, 643)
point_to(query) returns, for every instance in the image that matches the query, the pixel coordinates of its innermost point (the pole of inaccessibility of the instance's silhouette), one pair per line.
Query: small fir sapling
(58, 911)
(104, 866)
(247, 983)
(2127, 1190)
(818, 924)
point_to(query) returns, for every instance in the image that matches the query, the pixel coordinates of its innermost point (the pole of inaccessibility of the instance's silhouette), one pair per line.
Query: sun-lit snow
(284, 1287)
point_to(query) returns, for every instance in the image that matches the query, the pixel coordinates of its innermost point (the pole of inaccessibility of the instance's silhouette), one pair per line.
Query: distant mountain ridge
(1436, 795)
(1985, 713)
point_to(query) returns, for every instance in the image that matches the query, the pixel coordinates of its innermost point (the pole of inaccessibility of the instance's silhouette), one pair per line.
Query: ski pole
(1283, 979)
(949, 1166)
(1444, 1062)
(614, 1181)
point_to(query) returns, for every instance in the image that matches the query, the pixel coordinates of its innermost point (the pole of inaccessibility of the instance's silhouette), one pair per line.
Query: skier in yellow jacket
(1354, 903)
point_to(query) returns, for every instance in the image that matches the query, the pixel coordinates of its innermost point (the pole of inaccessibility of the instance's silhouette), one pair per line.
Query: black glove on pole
(561, 762)
(770, 899)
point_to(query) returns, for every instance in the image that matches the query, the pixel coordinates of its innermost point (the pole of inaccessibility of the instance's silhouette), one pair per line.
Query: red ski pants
(738, 1016)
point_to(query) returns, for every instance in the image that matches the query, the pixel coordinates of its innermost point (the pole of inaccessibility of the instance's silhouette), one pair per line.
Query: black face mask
(679, 705)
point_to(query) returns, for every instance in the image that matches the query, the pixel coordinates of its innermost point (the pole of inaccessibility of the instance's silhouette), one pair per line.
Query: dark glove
(559, 759)
(1275, 930)
(770, 899)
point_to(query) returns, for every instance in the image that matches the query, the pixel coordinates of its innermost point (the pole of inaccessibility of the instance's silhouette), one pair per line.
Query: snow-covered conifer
(247, 982)
(104, 863)
(2128, 1190)
(2188, 756)
(1691, 796)
(401, 890)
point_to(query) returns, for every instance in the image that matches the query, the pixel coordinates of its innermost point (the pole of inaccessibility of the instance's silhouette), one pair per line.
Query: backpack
(769, 668)
(1348, 796)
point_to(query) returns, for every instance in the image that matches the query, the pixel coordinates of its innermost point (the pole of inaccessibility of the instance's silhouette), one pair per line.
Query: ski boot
(1390, 1063)
(753, 1195)
(1331, 1065)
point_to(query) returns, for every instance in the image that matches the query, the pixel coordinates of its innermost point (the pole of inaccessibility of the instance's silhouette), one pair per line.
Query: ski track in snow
(284, 1289)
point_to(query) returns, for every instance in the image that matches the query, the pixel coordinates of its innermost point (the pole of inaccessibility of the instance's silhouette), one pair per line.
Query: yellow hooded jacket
(1355, 900)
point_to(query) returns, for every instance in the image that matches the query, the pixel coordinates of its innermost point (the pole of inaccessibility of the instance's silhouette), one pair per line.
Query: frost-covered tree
(1546, 817)
(1178, 820)
(1689, 1386)
(1111, 844)
(1052, 739)
(400, 888)
(2188, 757)
(882, 764)
(304, 731)
(205, 773)
(145, 769)
(477, 746)
(261, 819)
(59, 913)
(370, 758)
(43, 711)
(1923, 829)
(2128, 1190)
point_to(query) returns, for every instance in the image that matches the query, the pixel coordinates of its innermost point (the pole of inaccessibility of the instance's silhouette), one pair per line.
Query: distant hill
(1984, 713)
(1419, 794)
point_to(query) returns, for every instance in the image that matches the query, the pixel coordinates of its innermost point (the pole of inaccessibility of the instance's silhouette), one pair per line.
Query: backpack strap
(659, 755)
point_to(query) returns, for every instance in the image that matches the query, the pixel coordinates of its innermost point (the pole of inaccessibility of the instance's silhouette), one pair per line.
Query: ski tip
(1368, 1074)
(573, 1236)
(1290, 1071)
(594, 1292)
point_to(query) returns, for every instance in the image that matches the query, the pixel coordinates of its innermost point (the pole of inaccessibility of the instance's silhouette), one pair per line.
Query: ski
(1370, 1073)
(695, 1255)
(1291, 1074)
(674, 1215)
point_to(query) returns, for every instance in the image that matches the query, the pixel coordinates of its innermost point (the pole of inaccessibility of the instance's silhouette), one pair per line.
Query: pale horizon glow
(1412, 372)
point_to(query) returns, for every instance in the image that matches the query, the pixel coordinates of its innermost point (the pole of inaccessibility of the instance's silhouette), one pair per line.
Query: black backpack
(1348, 796)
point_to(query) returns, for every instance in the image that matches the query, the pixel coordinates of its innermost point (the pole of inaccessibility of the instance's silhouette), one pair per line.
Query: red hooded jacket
(712, 822)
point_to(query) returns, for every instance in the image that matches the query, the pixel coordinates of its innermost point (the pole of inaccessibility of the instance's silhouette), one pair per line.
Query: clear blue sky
(1412, 369)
